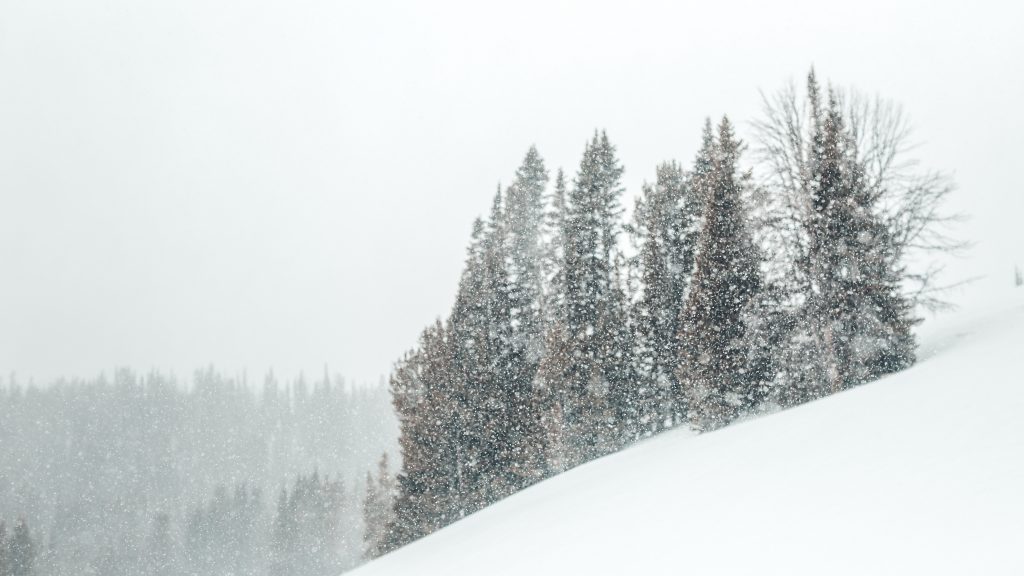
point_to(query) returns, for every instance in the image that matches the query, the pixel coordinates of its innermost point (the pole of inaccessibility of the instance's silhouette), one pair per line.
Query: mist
(291, 185)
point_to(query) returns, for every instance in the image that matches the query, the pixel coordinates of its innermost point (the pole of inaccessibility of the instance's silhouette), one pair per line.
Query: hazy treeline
(147, 474)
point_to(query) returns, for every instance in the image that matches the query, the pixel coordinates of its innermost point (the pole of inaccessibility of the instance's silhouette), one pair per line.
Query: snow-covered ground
(918, 473)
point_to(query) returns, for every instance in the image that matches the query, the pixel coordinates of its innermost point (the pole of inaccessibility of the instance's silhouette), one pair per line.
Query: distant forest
(148, 475)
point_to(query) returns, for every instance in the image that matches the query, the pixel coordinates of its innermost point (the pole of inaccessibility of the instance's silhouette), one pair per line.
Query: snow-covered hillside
(918, 473)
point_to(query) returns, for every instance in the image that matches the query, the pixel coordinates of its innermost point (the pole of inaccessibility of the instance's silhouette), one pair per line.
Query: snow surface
(918, 473)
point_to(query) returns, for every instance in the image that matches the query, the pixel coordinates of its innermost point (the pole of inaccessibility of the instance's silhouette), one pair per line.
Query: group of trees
(748, 288)
(148, 475)
(235, 533)
(17, 550)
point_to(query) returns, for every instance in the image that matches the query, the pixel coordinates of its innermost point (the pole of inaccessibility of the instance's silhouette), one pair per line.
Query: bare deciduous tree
(910, 199)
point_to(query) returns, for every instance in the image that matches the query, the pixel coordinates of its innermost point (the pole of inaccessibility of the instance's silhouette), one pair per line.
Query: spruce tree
(859, 323)
(307, 531)
(378, 505)
(522, 224)
(715, 359)
(554, 253)
(664, 225)
(21, 550)
(161, 559)
(627, 398)
(591, 235)
(431, 485)
(5, 567)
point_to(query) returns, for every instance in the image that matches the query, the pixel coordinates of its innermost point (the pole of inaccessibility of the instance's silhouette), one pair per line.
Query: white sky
(291, 183)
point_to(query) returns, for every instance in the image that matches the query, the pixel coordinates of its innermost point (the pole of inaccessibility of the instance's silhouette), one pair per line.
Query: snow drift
(918, 473)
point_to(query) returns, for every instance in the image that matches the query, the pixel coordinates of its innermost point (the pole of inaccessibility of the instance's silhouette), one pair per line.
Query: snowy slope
(919, 473)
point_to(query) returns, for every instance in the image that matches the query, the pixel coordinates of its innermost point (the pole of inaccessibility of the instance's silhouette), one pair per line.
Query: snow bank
(918, 473)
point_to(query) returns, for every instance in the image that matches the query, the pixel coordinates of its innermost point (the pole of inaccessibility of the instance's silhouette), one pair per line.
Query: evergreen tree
(307, 536)
(161, 559)
(591, 236)
(626, 398)
(665, 227)
(225, 535)
(860, 325)
(473, 355)
(378, 507)
(21, 550)
(431, 483)
(715, 350)
(5, 566)
(554, 252)
(522, 222)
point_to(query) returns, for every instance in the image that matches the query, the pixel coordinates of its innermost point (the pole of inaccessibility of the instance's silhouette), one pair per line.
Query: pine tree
(626, 398)
(715, 354)
(591, 236)
(21, 550)
(378, 506)
(523, 221)
(307, 531)
(431, 485)
(664, 224)
(554, 253)
(161, 546)
(522, 224)
(473, 353)
(483, 364)
(859, 323)
(5, 566)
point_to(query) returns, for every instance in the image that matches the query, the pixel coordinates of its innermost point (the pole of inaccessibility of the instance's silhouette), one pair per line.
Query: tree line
(146, 474)
(736, 288)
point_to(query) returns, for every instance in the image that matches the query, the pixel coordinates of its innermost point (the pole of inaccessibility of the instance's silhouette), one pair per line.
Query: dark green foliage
(592, 227)
(430, 482)
(552, 357)
(858, 322)
(715, 332)
(378, 508)
(665, 227)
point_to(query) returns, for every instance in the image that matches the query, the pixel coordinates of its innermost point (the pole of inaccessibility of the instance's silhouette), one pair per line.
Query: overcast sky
(287, 184)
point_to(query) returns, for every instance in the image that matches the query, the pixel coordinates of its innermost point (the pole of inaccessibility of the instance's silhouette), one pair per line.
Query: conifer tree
(591, 236)
(550, 398)
(431, 484)
(665, 227)
(523, 221)
(627, 399)
(161, 560)
(522, 224)
(307, 531)
(847, 211)
(714, 333)
(21, 550)
(554, 252)
(378, 508)
(5, 567)
(859, 323)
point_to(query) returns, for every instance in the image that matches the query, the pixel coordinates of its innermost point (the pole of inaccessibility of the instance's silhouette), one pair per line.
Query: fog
(292, 184)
